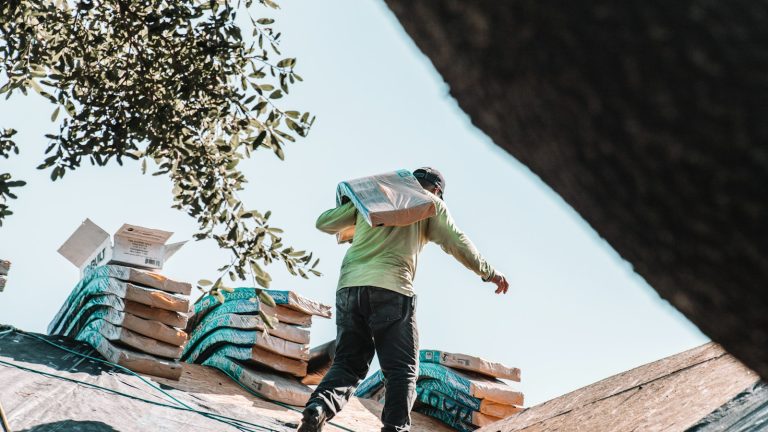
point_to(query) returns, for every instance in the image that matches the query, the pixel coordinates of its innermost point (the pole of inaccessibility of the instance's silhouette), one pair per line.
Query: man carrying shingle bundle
(375, 304)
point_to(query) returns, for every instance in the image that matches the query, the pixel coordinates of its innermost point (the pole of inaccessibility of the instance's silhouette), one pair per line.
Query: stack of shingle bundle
(132, 317)
(460, 390)
(5, 266)
(231, 336)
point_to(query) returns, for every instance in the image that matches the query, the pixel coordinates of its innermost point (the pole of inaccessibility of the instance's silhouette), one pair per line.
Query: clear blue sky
(576, 312)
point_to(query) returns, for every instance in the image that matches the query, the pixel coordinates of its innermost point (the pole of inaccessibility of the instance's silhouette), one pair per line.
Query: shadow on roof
(25, 348)
(72, 426)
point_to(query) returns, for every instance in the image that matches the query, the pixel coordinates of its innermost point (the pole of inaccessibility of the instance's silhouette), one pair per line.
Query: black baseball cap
(431, 175)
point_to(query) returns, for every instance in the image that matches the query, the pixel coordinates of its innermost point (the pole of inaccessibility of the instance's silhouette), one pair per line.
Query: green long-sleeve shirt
(386, 257)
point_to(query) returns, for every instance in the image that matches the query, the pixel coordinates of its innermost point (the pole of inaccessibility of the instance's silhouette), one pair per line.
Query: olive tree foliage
(175, 82)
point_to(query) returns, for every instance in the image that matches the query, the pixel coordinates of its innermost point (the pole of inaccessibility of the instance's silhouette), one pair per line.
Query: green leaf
(286, 62)
(270, 320)
(70, 108)
(263, 282)
(219, 296)
(186, 97)
(259, 139)
(257, 269)
(32, 83)
(293, 126)
(267, 299)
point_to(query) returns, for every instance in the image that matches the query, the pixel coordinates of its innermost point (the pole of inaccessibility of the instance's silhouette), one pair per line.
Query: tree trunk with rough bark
(648, 117)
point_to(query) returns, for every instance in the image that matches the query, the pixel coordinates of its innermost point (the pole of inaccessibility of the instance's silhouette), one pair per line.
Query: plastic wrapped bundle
(233, 337)
(132, 317)
(463, 399)
(391, 199)
(470, 363)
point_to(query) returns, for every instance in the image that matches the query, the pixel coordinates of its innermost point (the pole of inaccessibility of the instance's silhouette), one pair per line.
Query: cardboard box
(5, 266)
(91, 246)
(391, 199)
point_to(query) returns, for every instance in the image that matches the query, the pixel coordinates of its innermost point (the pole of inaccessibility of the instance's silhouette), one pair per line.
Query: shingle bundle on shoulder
(463, 391)
(132, 317)
(5, 266)
(231, 336)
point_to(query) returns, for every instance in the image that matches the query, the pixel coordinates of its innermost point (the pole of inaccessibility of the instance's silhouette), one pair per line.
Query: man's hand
(502, 286)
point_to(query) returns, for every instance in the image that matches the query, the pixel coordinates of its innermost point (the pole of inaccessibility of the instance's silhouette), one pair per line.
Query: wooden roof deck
(38, 402)
(671, 394)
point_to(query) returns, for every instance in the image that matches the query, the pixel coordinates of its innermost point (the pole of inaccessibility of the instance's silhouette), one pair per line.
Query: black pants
(371, 319)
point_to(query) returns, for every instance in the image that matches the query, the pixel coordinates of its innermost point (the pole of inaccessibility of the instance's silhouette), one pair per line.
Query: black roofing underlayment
(42, 403)
(746, 412)
(17, 346)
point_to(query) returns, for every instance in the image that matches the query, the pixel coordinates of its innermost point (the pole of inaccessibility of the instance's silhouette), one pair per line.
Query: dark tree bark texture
(649, 117)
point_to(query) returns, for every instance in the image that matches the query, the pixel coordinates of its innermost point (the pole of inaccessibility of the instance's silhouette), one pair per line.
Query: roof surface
(38, 395)
(747, 412)
(701, 390)
(671, 394)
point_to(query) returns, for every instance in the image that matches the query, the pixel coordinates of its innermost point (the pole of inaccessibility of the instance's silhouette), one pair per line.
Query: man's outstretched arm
(443, 231)
(337, 219)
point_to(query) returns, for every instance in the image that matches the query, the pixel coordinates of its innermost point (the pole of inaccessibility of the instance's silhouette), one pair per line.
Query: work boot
(313, 418)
